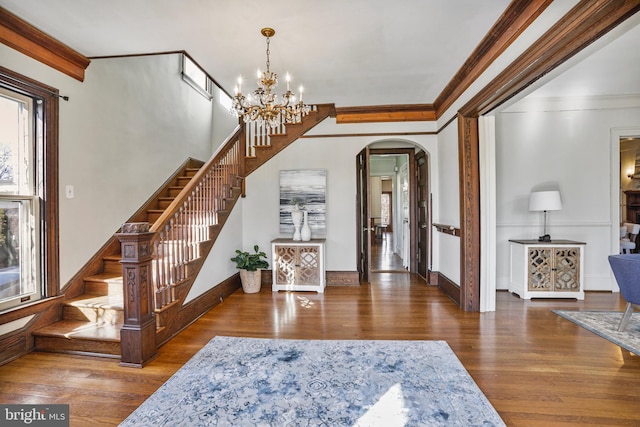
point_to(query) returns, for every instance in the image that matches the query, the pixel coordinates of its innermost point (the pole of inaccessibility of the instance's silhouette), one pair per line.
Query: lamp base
(545, 238)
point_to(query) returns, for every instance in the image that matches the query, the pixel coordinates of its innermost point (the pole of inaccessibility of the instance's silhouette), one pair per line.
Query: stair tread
(113, 302)
(112, 257)
(76, 329)
(104, 277)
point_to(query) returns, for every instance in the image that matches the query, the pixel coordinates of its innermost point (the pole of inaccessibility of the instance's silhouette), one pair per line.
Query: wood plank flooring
(536, 368)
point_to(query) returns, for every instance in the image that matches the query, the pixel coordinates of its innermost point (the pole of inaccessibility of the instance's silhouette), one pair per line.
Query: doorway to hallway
(392, 217)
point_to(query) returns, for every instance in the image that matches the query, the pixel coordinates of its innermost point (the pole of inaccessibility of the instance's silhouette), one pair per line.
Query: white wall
(540, 146)
(447, 256)
(336, 155)
(223, 122)
(123, 132)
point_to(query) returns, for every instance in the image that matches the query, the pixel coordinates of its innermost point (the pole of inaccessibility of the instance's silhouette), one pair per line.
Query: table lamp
(545, 201)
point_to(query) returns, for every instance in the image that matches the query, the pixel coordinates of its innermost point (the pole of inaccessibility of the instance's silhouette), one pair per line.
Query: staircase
(91, 322)
(92, 313)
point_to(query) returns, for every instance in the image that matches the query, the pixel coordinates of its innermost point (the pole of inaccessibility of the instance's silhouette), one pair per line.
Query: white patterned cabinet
(297, 265)
(546, 269)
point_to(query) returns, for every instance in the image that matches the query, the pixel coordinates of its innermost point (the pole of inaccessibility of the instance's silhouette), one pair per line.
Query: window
(385, 202)
(196, 77)
(28, 267)
(225, 101)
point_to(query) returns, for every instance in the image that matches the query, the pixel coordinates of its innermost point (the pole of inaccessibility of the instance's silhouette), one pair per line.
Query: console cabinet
(297, 265)
(546, 269)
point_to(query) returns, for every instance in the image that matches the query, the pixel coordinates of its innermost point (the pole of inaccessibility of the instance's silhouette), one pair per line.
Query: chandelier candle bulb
(288, 78)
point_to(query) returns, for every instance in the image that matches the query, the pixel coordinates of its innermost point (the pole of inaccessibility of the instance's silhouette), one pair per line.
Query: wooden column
(469, 169)
(138, 334)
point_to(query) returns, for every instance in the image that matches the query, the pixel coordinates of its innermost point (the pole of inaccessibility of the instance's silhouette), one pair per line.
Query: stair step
(190, 172)
(183, 180)
(99, 309)
(111, 264)
(72, 336)
(106, 283)
(164, 202)
(154, 214)
(174, 191)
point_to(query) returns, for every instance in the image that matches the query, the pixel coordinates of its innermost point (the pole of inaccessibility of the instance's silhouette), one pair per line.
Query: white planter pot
(251, 281)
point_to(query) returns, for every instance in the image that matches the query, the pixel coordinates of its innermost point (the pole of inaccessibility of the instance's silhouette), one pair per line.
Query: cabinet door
(566, 263)
(285, 264)
(540, 269)
(309, 265)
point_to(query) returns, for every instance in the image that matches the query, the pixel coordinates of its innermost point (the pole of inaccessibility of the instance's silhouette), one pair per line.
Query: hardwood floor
(383, 256)
(536, 368)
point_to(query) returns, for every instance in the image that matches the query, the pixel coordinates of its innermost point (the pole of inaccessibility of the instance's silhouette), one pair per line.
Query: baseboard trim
(332, 278)
(448, 287)
(342, 278)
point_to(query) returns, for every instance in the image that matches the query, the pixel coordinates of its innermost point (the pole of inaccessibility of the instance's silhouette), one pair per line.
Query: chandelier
(263, 106)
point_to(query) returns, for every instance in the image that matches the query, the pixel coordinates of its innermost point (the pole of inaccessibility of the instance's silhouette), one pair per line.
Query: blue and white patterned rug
(605, 324)
(264, 382)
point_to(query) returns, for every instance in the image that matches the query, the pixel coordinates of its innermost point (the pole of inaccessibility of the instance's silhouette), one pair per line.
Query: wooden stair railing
(188, 226)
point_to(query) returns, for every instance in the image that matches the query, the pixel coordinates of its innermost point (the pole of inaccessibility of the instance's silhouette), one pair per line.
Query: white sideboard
(298, 265)
(546, 269)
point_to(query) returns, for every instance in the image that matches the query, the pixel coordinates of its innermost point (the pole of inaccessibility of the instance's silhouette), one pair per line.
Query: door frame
(363, 231)
(412, 197)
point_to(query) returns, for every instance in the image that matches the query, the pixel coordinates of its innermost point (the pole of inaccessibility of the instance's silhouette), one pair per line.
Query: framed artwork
(308, 189)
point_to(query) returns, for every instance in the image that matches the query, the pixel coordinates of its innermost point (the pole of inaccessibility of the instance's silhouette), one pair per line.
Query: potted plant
(250, 266)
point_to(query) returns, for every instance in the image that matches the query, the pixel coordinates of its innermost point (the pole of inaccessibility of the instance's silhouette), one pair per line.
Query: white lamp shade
(545, 201)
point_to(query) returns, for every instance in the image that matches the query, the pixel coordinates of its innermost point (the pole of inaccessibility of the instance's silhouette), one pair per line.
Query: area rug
(605, 324)
(264, 382)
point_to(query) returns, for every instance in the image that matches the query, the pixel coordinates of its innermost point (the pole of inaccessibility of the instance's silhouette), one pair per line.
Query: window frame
(207, 90)
(46, 176)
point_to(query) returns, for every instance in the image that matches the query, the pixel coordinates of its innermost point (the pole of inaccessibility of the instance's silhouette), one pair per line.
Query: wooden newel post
(138, 334)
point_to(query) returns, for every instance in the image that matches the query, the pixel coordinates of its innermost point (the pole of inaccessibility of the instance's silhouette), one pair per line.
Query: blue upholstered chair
(626, 269)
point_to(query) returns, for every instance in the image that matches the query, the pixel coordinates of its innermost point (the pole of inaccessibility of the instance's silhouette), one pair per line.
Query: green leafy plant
(250, 261)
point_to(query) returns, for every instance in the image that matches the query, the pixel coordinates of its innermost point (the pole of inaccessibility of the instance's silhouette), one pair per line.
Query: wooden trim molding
(449, 288)
(469, 167)
(342, 278)
(27, 39)
(515, 19)
(447, 229)
(386, 113)
(371, 134)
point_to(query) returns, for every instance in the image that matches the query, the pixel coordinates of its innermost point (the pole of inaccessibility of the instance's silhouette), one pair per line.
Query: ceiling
(350, 53)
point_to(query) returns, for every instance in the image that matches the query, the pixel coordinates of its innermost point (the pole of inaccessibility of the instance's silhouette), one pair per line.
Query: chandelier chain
(268, 53)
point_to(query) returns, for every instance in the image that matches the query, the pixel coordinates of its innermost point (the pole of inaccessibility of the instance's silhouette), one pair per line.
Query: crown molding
(27, 39)
(386, 113)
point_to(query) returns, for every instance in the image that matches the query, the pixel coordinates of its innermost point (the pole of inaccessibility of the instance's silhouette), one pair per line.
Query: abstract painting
(308, 188)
